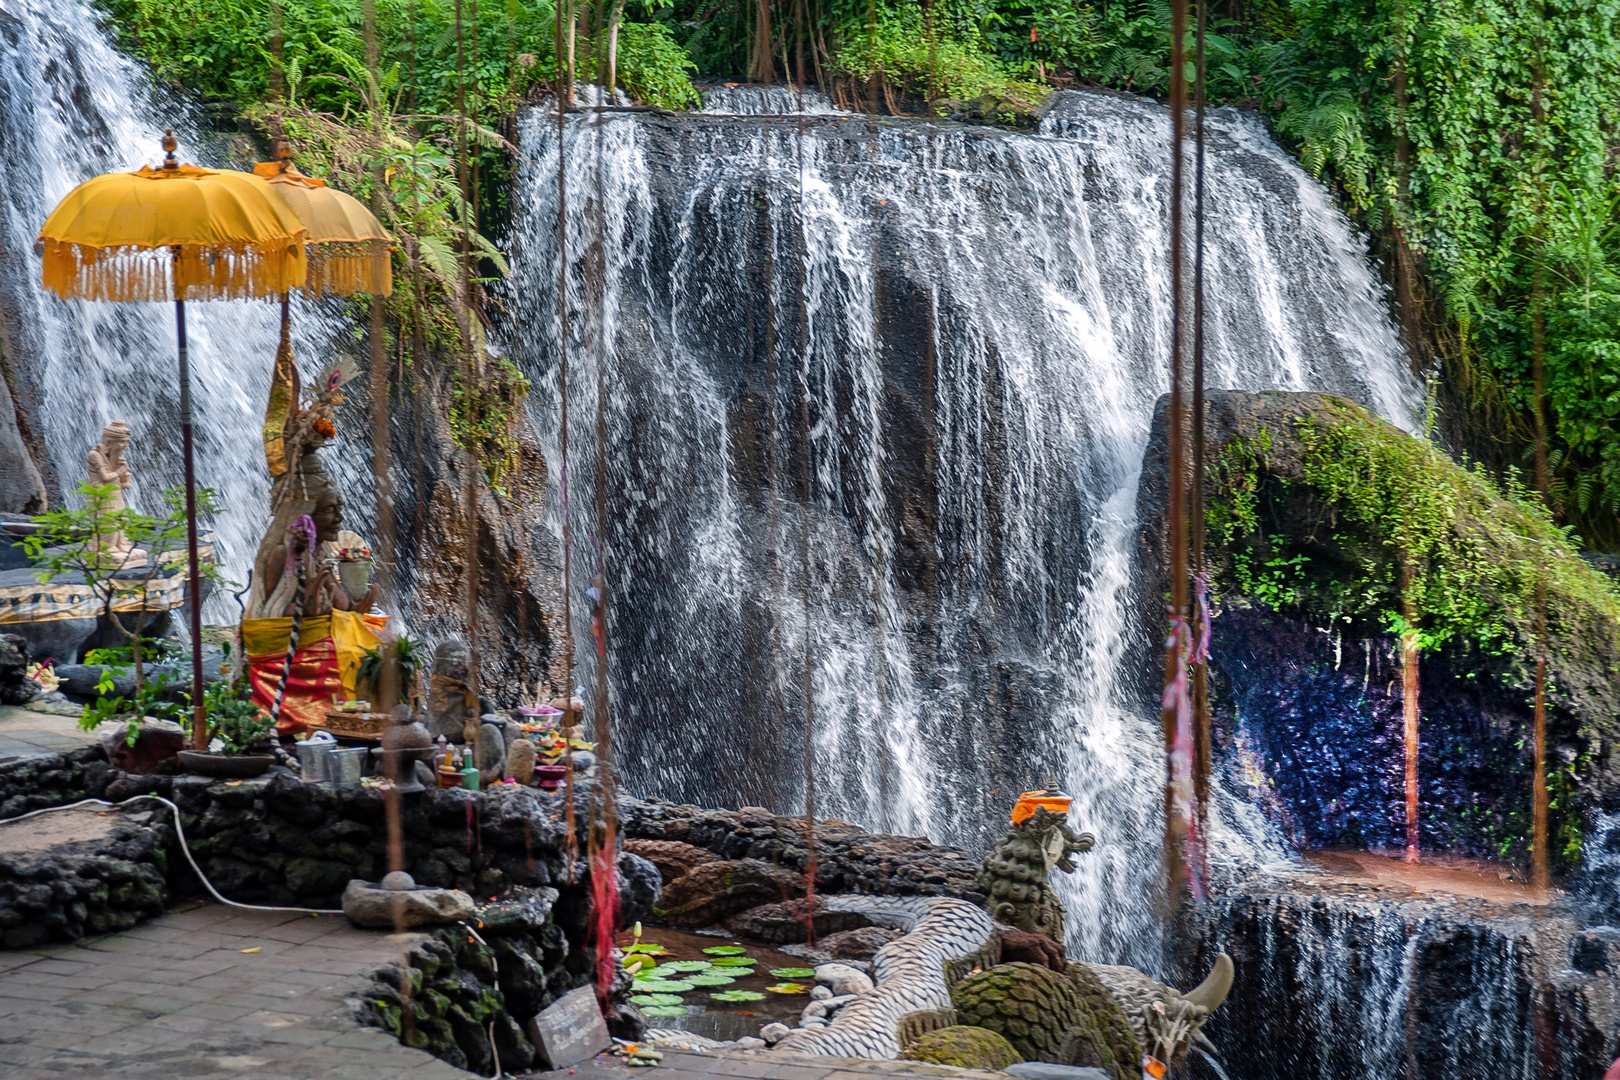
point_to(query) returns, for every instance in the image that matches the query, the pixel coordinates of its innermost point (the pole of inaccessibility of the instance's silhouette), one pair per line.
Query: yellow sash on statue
(350, 632)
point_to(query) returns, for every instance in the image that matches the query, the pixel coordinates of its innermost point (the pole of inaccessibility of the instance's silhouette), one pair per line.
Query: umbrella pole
(199, 711)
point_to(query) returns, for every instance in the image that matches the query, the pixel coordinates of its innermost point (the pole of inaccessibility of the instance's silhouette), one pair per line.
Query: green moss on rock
(965, 1047)
(1046, 1016)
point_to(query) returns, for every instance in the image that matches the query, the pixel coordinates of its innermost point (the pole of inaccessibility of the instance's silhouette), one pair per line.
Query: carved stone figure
(107, 466)
(308, 490)
(1095, 1015)
(449, 691)
(1012, 874)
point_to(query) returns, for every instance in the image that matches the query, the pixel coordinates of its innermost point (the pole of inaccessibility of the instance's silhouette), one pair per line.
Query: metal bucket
(314, 761)
(346, 766)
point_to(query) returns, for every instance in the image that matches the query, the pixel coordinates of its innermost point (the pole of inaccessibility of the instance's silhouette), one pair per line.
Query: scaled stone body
(1013, 873)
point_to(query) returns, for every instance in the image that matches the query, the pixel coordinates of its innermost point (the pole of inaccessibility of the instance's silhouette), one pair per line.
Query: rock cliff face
(1307, 699)
(1341, 981)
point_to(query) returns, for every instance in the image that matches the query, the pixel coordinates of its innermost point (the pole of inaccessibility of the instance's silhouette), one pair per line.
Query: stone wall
(848, 858)
(42, 780)
(89, 887)
(466, 997)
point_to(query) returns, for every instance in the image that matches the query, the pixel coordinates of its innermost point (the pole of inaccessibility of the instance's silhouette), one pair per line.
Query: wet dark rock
(1342, 981)
(714, 890)
(859, 944)
(788, 923)
(673, 858)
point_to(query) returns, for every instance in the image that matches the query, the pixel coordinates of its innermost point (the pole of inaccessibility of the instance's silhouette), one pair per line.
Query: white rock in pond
(813, 1023)
(397, 881)
(749, 1043)
(842, 979)
(774, 1033)
(815, 1008)
(835, 1003)
(820, 993)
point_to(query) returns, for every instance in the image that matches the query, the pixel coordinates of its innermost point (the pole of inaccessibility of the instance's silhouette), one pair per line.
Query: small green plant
(233, 718)
(72, 540)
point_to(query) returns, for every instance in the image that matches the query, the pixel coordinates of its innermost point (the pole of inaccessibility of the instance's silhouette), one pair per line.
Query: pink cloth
(1614, 1071)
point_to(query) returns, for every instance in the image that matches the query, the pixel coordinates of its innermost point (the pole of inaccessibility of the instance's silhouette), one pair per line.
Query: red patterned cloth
(315, 686)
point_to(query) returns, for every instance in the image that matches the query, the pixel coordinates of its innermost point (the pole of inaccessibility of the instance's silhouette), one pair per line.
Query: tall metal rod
(1176, 824)
(565, 91)
(199, 711)
(811, 853)
(1203, 749)
(1541, 808)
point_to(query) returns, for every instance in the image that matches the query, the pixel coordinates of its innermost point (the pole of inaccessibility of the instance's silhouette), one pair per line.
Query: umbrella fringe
(202, 272)
(345, 269)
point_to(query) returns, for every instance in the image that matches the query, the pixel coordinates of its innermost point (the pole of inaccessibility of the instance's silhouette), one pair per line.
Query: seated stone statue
(106, 466)
(1013, 873)
(303, 636)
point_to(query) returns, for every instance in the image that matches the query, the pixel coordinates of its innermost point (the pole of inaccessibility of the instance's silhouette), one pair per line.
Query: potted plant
(239, 735)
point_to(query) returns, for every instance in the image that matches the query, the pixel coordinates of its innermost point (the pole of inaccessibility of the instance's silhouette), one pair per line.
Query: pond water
(720, 1019)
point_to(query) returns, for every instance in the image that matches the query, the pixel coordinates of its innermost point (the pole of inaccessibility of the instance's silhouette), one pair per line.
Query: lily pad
(789, 988)
(664, 1010)
(662, 971)
(735, 962)
(711, 978)
(648, 948)
(793, 973)
(689, 965)
(724, 950)
(665, 986)
(656, 999)
(738, 995)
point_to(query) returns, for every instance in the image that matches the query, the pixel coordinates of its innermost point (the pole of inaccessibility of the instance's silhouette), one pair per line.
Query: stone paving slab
(24, 732)
(762, 1065)
(177, 998)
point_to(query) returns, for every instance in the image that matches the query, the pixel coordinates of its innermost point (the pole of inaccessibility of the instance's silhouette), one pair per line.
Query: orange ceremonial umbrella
(175, 233)
(349, 252)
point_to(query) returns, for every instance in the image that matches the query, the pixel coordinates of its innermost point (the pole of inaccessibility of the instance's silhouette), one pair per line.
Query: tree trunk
(613, 49)
(760, 67)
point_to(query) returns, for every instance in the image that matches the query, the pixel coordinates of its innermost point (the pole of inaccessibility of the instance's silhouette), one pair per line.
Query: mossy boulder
(965, 1047)
(1047, 1016)
(1329, 531)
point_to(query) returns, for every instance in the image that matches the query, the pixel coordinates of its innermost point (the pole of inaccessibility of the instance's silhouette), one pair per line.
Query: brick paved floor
(722, 1065)
(24, 732)
(177, 999)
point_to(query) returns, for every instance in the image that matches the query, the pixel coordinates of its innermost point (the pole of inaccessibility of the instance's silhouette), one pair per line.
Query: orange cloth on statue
(324, 668)
(314, 686)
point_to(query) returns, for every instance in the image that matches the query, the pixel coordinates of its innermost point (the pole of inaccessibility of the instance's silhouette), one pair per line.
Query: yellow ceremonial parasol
(175, 233)
(349, 252)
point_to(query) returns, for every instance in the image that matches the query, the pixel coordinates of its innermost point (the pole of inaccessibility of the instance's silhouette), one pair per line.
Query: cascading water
(74, 107)
(963, 332)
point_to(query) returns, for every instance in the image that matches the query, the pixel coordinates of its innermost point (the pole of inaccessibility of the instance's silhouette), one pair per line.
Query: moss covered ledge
(1326, 523)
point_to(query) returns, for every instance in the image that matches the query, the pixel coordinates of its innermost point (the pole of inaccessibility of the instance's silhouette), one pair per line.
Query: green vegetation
(72, 540)
(1474, 137)
(1400, 539)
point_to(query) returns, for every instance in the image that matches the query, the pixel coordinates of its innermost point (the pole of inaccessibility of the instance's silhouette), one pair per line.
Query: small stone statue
(448, 696)
(107, 466)
(520, 761)
(1013, 873)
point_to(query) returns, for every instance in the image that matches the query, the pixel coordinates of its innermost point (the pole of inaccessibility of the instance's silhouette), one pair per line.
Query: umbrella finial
(170, 145)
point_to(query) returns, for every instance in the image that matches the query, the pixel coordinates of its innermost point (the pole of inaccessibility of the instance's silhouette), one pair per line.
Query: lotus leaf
(689, 965)
(664, 1010)
(665, 986)
(662, 971)
(655, 999)
(735, 962)
(648, 948)
(724, 950)
(711, 978)
(793, 973)
(738, 995)
(789, 988)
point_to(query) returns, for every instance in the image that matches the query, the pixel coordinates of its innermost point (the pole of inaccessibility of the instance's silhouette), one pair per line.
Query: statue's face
(328, 516)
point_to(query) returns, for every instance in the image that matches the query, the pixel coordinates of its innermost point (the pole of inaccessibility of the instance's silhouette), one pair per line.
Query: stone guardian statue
(107, 467)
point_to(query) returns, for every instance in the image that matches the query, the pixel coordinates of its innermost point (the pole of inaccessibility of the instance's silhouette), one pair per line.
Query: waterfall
(962, 332)
(74, 107)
